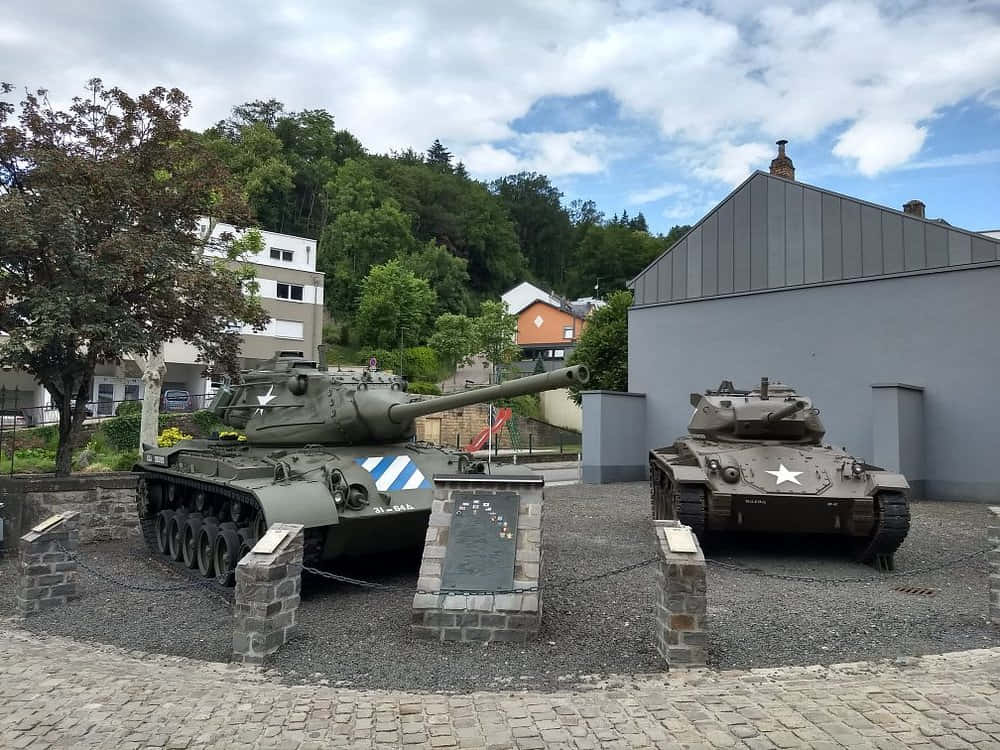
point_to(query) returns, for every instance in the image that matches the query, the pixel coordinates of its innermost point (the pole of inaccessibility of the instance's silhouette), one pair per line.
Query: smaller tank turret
(771, 412)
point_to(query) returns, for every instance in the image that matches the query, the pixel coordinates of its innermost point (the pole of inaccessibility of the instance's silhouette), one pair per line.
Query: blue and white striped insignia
(392, 473)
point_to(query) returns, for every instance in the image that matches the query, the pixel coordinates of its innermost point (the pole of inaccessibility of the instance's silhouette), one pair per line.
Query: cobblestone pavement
(58, 693)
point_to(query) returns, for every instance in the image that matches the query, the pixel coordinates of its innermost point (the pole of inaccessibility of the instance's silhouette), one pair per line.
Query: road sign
(372, 364)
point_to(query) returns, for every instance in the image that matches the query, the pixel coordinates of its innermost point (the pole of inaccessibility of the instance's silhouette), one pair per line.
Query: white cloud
(653, 194)
(554, 154)
(971, 159)
(735, 73)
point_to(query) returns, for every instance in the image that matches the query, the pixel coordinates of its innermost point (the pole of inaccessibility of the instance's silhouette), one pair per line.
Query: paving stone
(59, 693)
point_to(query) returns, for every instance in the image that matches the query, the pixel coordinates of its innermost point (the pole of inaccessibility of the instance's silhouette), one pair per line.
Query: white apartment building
(291, 290)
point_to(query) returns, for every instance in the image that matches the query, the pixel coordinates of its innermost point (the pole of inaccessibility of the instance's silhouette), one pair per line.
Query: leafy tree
(454, 339)
(610, 256)
(638, 222)
(255, 157)
(603, 346)
(354, 243)
(447, 275)
(439, 157)
(393, 303)
(544, 231)
(496, 332)
(99, 253)
(584, 213)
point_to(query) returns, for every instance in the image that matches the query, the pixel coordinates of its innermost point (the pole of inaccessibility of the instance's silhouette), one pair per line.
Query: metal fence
(12, 415)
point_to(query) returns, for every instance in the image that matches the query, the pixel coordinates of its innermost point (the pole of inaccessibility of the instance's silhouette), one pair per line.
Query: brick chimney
(781, 165)
(914, 208)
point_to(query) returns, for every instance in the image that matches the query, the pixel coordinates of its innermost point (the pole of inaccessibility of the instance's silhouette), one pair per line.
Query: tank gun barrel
(784, 411)
(547, 381)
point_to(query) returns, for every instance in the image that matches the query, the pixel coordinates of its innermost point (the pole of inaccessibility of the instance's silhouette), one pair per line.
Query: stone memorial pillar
(46, 569)
(681, 637)
(268, 582)
(993, 540)
(484, 536)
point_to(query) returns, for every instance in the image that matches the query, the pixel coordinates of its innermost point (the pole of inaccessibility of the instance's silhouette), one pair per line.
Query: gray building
(886, 318)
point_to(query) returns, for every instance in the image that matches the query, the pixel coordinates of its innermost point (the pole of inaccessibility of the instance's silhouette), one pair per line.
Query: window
(132, 392)
(285, 256)
(290, 291)
(288, 329)
(105, 399)
(567, 332)
(558, 353)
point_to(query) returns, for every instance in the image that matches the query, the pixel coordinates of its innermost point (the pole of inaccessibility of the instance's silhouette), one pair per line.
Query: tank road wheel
(690, 506)
(175, 534)
(892, 523)
(163, 519)
(190, 544)
(247, 541)
(206, 547)
(226, 553)
(259, 526)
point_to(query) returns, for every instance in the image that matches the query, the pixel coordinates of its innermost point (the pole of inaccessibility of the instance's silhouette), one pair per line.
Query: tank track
(892, 523)
(217, 502)
(691, 508)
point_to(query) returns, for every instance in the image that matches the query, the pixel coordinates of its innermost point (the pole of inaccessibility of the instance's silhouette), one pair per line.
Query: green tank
(331, 450)
(754, 461)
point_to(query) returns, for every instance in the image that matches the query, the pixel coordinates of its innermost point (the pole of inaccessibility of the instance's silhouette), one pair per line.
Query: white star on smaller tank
(784, 475)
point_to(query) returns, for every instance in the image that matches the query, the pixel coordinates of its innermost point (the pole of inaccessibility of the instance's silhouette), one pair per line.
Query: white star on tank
(265, 399)
(784, 475)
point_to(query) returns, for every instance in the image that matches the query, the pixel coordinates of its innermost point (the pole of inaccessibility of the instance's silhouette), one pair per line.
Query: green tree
(544, 231)
(99, 252)
(394, 302)
(603, 346)
(354, 243)
(496, 332)
(454, 339)
(447, 275)
(257, 161)
(438, 157)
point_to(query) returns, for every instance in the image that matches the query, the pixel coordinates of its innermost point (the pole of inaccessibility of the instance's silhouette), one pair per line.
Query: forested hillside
(468, 240)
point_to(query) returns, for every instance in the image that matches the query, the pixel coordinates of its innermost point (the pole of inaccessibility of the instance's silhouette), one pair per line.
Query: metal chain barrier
(558, 584)
(859, 579)
(193, 584)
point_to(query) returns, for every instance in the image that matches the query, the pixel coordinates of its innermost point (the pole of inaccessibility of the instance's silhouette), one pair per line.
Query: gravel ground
(361, 637)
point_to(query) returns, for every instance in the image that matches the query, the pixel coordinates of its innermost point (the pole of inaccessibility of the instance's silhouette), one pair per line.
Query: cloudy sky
(652, 106)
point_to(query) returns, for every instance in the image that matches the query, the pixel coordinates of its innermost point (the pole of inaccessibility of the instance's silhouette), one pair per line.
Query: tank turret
(771, 412)
(290, 400)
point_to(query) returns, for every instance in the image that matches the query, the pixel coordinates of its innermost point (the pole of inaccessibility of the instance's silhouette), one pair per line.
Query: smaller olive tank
(754, 461)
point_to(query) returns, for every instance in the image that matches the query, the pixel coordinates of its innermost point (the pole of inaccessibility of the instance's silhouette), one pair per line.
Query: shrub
(123, 432)
(424, 388)
(240, 437)
(126, 408)
(528, 405)
(420, 363)
(207, 422)
(171, 437)
(123, 462)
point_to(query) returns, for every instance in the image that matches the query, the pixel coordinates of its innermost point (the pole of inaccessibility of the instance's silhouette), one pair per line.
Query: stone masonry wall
(993, 539)
(105, 502)
(267, 596)
(46, 570)
(467, 422)
(481, 617)
(681, 604)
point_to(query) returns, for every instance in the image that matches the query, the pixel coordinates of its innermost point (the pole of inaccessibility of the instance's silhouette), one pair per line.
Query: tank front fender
(886, 480)
(307, 503)
(689, 474)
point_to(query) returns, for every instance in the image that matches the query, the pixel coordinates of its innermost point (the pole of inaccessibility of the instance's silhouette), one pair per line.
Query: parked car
(15, 418)
(176, 400)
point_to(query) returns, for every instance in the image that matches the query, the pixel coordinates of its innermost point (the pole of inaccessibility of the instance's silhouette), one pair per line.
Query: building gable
(771, 233)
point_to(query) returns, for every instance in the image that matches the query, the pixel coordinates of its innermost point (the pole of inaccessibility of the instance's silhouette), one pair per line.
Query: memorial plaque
(481, 542)
(270, 541)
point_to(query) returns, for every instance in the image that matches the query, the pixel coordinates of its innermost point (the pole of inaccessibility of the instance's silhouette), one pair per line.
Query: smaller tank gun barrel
(547, 381)
(784, 411)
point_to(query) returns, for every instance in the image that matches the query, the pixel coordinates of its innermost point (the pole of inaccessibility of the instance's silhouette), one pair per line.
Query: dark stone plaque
(481, 542)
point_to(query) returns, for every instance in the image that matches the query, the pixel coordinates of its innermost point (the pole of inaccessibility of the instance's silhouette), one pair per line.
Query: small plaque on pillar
(481, 543)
